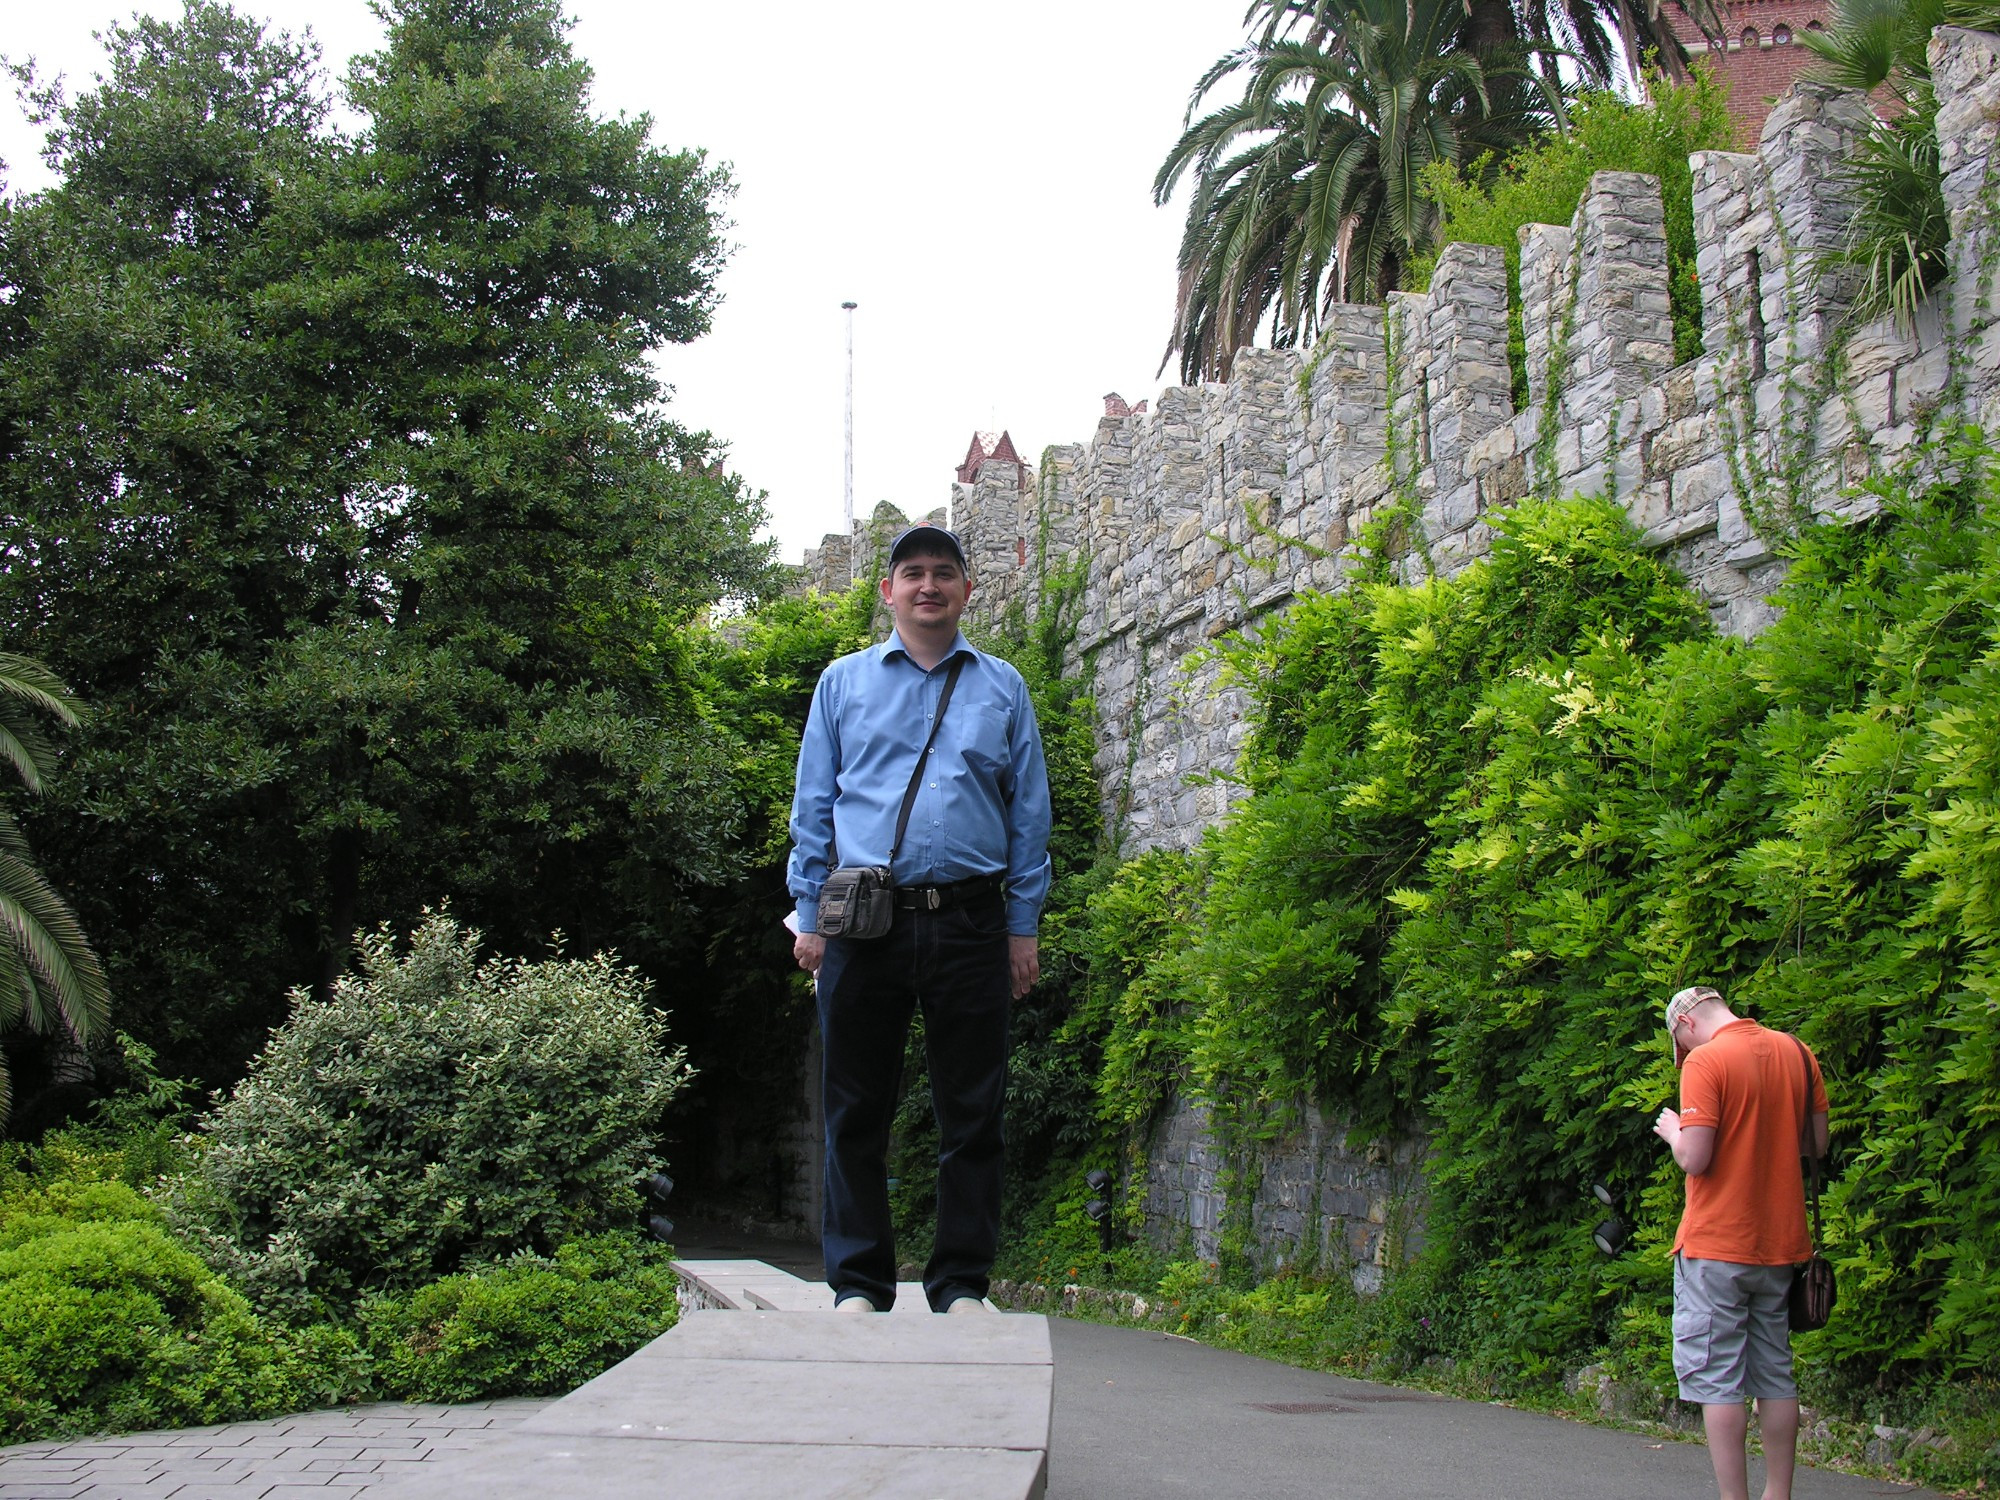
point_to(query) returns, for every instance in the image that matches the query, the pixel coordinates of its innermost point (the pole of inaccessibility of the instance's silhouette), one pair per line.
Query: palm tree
(1309, 189)
(49, 977)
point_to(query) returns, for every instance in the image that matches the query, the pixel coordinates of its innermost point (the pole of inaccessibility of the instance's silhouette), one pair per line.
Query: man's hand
(1024, 963)
(1668, 1126)
(1693, 1145)
(809, 948)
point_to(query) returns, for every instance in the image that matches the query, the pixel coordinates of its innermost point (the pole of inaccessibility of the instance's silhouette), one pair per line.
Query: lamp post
(847, 483)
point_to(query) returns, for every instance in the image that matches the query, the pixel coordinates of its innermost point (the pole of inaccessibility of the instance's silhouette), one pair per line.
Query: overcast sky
(977, 179)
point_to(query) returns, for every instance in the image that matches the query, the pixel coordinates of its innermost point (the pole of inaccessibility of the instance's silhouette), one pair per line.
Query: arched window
(1781, 36)
(1749, 37)
(1814, 26)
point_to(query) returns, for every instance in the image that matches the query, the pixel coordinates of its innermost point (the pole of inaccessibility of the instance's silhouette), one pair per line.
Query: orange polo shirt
(1751, 1087)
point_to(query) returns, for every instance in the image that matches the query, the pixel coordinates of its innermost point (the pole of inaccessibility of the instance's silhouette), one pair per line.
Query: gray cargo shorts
(1732, 1331)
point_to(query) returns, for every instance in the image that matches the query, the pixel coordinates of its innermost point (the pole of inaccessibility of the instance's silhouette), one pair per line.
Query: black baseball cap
(935, 535)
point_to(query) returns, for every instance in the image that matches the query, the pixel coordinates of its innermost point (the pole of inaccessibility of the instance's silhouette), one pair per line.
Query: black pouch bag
(1813, 1290)
(859, 901)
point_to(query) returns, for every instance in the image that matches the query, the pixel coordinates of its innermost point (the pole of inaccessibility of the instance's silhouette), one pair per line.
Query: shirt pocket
(984, 739)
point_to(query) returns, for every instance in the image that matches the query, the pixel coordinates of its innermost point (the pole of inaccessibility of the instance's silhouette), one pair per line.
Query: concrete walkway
(325, 1455)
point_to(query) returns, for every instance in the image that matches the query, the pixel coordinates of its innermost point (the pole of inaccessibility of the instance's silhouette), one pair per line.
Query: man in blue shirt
(970, 877)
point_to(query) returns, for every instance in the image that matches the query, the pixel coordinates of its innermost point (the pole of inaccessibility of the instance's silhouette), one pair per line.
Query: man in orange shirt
(1751, 1101)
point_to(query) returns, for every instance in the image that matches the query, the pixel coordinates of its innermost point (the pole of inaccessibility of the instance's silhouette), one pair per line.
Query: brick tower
(1759, 57)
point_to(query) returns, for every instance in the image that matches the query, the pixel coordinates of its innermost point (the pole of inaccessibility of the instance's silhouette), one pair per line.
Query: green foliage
(111, 1321)
(1496, 818)
(1269, 985)
(1051, 1241)
(1545, 182)
(107, 1322)
(433, 1113)
(528, 1326)
(335, 478)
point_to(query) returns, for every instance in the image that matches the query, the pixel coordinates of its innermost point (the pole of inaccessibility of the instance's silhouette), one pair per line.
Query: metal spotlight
(1098, 1211)
(1602, 1193)
(659, 1187)
(1609, 1236)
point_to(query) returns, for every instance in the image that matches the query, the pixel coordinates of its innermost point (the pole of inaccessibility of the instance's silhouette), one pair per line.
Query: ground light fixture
(1610, 1235)
(1099, 1182)
(659, 1188)
(1098, 1210)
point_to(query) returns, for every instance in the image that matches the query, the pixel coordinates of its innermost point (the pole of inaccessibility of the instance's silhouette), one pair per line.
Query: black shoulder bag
(858, 901)
(1813, 1289)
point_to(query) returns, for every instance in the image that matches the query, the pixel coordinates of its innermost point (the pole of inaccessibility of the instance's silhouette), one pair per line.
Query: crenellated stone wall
(1224, 502)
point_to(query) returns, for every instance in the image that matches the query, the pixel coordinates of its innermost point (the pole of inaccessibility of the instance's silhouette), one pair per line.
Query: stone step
(793, 1404)
(744, 1285)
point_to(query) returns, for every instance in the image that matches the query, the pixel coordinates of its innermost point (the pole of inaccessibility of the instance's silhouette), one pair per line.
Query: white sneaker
(854, 1302)
(969, 1305)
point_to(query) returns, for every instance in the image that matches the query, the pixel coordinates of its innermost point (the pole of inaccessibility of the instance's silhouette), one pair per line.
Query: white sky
(976, 179)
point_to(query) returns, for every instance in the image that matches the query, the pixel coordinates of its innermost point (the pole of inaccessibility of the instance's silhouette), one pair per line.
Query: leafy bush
(107, 1322)
(1543, 183)
(432, 1114)
(529, 1326)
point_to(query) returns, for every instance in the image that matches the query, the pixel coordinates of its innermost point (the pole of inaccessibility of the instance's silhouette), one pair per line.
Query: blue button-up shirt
(982, 807)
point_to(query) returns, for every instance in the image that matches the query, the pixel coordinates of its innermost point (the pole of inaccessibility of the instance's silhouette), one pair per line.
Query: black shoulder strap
(923, 756)
(1806, 1154)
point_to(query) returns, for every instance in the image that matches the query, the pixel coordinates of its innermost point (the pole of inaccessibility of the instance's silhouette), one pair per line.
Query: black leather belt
(944, 897)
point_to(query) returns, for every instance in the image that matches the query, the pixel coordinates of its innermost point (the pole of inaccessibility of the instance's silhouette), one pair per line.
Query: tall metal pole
(847, 486)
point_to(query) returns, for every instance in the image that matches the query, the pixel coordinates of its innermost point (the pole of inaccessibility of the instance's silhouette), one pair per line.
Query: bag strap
(1805, 1130)
(923, 756)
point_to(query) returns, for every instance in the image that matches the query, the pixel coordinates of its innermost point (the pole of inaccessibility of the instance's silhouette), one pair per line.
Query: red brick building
(1760, 56)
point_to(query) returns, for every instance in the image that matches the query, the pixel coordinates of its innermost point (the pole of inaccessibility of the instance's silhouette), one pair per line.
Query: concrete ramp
(794, 1403)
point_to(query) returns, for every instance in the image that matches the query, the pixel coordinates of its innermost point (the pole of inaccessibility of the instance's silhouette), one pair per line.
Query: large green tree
(334, 474)
(1309, 190)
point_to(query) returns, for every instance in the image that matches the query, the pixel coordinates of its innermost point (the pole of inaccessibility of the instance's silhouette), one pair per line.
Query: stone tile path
(324, 1455)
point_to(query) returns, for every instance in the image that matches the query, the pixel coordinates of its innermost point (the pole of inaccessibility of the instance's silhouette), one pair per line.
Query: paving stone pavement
(325, 1455)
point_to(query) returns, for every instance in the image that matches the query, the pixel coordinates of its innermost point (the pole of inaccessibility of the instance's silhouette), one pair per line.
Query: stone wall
(1311, 1197)
(1223, 502)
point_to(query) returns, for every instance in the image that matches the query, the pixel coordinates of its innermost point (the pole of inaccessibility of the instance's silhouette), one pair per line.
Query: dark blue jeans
(953, 964)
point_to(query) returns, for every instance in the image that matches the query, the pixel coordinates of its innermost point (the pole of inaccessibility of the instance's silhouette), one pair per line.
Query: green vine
(1543, 478)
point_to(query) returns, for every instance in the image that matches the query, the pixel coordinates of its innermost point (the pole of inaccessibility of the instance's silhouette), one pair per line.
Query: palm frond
(1901, 230)
(49, 977)
(1309, 187)
(39, 933)
(29, 691)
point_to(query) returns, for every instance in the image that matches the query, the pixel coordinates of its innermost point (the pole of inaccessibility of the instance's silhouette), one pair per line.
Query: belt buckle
(931, 897)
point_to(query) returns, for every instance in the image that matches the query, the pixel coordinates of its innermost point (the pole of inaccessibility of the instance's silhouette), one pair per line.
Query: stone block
(1647, 504)
(1869, 399)
(1504, 483)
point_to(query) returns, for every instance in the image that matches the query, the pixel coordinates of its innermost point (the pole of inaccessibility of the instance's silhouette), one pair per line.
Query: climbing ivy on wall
(1544, 183)
(1496, 818)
